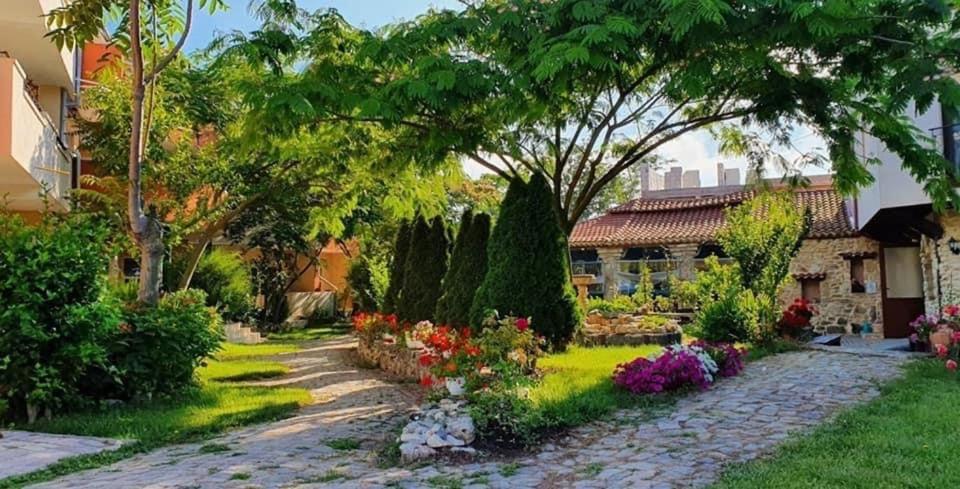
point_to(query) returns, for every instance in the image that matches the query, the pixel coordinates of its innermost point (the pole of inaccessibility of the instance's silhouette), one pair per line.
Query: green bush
(225, 277)
(426, 264)
(52, 324)
(619, 304)
(528, 274)
(763, 235)
(728, 310)
(158, 349)
(505, 418)
(3, 408)
(468, 265)
(401, 248)
(360, 276)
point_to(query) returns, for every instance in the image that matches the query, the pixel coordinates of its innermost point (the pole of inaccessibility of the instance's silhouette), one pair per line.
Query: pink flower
(941, 351)
(951, 365)
(523, 324)
(956, 337)
(952, 310)
(914, 337)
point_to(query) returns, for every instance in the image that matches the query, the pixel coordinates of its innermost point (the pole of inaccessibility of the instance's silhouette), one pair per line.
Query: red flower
(951, 365)
(426, 381)
(523, 324)
(941, 351)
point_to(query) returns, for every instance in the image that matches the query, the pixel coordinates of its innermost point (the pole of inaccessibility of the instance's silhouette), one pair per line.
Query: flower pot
(941, 337)
(455, 385)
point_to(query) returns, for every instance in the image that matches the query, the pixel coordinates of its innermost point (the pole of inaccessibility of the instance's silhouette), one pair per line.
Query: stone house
(672, 232)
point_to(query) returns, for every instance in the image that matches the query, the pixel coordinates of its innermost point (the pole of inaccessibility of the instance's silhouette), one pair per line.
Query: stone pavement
(736, 421)
(23, 452)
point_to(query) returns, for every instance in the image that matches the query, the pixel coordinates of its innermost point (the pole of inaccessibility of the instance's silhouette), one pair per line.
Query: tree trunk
(193, 259)
(151, 247)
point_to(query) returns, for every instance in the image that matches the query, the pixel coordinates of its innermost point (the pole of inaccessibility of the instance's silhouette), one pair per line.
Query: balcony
(33, 160)
(23, 27)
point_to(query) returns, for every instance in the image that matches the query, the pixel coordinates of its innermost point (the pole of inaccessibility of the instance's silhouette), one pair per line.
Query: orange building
(39, 85)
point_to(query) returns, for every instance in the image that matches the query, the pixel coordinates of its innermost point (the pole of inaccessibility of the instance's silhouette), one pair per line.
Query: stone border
(396, 360)
(627, 329)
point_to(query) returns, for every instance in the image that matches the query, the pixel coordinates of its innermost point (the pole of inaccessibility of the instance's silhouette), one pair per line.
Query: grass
(310, 333)
(577, 387)
(344, 444)
(216, 406)
(907, 437)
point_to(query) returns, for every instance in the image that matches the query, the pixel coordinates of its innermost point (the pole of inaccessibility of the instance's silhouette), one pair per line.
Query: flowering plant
(371, 327)
(449, 352)
(924, 325)
(679, 367)
(797, 315)
(949, 353)
(729, 358)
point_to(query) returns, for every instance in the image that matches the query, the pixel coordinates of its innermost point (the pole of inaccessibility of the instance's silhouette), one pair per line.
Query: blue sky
(694, 151)
(364, 13)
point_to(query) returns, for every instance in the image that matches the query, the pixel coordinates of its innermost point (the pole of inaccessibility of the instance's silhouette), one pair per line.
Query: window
(857, 281)
(706, 250)
(810, 289)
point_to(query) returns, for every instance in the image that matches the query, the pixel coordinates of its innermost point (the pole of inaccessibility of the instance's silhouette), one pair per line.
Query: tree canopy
(583, 90)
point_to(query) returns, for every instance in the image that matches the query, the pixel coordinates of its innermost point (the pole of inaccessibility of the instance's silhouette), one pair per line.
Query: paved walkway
(23, 452)
(736, 421)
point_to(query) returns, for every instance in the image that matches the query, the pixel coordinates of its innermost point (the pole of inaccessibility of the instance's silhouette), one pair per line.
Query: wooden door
(902, 289)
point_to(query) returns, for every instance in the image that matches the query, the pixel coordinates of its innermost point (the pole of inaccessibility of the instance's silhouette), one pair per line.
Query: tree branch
(157, 68)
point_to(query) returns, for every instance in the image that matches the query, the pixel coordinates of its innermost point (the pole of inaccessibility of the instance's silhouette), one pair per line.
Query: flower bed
(378, 346)
(697, 365)
(630, 329)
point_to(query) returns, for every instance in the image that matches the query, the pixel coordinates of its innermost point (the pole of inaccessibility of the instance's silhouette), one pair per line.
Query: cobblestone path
(736, 421)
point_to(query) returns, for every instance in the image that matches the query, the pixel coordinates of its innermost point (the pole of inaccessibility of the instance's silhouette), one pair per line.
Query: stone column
(611, 265)
(684, 254)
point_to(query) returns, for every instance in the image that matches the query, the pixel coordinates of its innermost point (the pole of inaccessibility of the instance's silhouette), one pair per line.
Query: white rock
(453, 441)
(437, 440)
(410, 452)
(463, 428)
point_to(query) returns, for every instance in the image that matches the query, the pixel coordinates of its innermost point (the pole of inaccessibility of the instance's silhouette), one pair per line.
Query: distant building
(674, 178)
(727, 176)
(650, 179)
(691, 179)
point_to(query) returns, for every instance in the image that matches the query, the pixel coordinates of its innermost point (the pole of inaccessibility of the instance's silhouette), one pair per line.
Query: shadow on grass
(192, 416)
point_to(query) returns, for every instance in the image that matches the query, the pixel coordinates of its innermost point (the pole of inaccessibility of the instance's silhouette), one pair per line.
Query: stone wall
(838, 306)
(399, 361)
(941, 268)
(627, 329)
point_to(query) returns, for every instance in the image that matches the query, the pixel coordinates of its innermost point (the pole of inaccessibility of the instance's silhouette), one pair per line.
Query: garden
(459, 324)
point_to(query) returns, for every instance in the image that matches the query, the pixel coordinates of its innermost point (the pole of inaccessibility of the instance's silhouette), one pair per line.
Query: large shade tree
(584, 90)
(152, 35)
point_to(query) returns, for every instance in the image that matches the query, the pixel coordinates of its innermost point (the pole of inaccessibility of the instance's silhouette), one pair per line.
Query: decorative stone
(462, 428)
(411, 452)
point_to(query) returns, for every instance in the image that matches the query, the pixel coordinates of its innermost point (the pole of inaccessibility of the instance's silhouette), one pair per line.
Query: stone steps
(243, 335)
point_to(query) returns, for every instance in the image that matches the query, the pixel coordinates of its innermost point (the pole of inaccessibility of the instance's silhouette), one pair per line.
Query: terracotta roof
(697, 219)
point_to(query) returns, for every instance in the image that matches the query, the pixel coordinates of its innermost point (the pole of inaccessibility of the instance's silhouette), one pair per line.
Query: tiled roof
(697, 219)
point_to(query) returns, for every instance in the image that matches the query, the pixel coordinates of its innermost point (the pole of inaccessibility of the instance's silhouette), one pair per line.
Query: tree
(468, 265)
(528, 272)
(151, 48)
(425, 266)
(763, 235)
(583, 90)
(398, 265)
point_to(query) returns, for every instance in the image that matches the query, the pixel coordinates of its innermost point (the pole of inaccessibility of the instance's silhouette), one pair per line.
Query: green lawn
(216, 406)
(577, 386)
(908, 437)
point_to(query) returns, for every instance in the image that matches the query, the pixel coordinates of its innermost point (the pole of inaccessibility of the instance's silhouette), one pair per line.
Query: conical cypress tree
(468, 265)
(529, 272)
(426, 264)
(398, 266)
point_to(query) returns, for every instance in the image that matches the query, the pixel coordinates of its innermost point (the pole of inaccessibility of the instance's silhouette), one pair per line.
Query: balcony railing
(32, 142)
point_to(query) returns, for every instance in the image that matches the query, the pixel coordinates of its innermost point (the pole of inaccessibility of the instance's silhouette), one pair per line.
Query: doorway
(902, 289)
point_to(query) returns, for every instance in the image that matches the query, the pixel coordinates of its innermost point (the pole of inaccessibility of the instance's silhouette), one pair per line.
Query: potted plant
(923, 327)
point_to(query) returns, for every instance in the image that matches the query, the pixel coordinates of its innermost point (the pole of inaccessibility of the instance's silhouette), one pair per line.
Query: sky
(694, 151)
